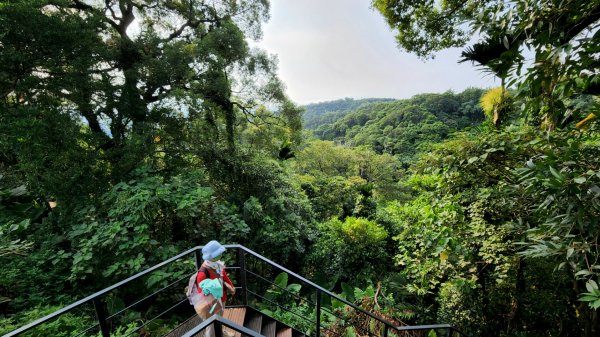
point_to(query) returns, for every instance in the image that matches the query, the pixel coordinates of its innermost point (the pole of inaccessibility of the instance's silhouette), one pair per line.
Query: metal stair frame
(220, 322)
(103, 319)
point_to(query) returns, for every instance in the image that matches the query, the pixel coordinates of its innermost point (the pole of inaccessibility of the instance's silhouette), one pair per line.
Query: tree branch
(190, 23)
(149, 96)
(246, 112)
(77, 4)
(578, 27)
(179, 31)
(108, 6)
(126, 8)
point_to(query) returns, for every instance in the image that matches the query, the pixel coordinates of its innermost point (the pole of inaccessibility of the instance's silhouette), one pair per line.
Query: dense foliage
(403, 128)
(317, 114)
(465, 229)
(131, 130)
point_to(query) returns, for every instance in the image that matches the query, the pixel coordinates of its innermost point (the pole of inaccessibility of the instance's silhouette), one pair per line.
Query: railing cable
(146, 298)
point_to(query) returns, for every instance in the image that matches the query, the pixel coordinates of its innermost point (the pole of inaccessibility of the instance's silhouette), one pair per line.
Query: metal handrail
(145, 298)
(299, 298)
(328, 311)
(102, 319)
(157, 316)
(312, 284)
(298, 315)
(281, 306)
(97, 295)
(281, 288)
(330, 294)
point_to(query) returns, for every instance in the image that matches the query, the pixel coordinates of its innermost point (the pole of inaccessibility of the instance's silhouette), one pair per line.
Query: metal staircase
(248, 315)
(242, 316)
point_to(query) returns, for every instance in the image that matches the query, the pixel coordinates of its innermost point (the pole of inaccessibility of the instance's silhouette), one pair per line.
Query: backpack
(191, 291)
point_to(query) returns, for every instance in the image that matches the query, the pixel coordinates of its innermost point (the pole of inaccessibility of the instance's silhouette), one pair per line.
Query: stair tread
(284, 332)
(237, 316)
(268, 329)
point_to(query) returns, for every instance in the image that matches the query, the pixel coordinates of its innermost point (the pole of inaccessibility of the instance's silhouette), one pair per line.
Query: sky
(331, 49)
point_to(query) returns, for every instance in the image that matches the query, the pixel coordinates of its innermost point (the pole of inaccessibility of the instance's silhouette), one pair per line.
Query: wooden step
(268, 329)
(237, 316)
(284, 332)
(255, 322)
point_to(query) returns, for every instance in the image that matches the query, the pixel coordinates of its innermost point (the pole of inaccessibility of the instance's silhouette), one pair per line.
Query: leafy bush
(352, 250)
(287, 296)
(139, 223)
(64, 326)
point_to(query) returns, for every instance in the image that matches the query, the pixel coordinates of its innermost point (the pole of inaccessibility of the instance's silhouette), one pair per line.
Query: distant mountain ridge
(317, 114)
(399, 127)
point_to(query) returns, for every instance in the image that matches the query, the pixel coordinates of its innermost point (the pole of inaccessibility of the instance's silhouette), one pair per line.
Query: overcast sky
(331, 49)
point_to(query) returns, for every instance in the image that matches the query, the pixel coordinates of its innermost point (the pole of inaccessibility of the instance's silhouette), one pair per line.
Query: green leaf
(580, 180)
(556, 174)
(348, 291)
(505, 42)
(267, 312)
(588, 298)
(583, 272)
(473, 159)
(336, 304)
(591, 285)
(350, 332)
(294, 288)
(281, 280)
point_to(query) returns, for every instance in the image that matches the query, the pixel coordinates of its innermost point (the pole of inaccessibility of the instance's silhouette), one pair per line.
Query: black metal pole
(318, 330)
(198, 255)
(218, 328)
(101, 315)
(243, 281)
(450, 332)
(385, 330)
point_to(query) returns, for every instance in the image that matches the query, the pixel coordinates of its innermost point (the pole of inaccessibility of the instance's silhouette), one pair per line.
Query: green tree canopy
(562, 35)
(126, 77)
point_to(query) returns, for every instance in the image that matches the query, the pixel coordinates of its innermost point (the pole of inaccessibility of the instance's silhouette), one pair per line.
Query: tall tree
(133, 73)
(563, 36)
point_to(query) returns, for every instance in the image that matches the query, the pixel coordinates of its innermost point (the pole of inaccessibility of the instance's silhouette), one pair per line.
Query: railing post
(318, 330)
(385, 330)
(218, 327)
(198, 256)
(450, 331)
(243, 281)
(101, 315)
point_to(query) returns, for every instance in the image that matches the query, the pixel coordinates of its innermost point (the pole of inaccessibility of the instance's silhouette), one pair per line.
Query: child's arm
(228, 285)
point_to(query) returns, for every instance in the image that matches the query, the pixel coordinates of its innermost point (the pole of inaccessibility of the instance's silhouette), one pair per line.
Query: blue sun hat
(212, 250)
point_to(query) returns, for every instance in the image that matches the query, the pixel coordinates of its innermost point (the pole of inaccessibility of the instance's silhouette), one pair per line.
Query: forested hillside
(317, 114)
(121, 146)
(403, 128)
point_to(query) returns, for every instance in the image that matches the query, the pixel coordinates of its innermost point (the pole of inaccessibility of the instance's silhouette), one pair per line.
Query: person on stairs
(213, 282)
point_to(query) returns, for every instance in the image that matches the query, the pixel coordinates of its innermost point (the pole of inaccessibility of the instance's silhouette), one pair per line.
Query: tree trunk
(520, 288)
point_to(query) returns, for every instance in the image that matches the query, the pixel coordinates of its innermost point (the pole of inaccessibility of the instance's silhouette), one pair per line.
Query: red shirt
(201, 276)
